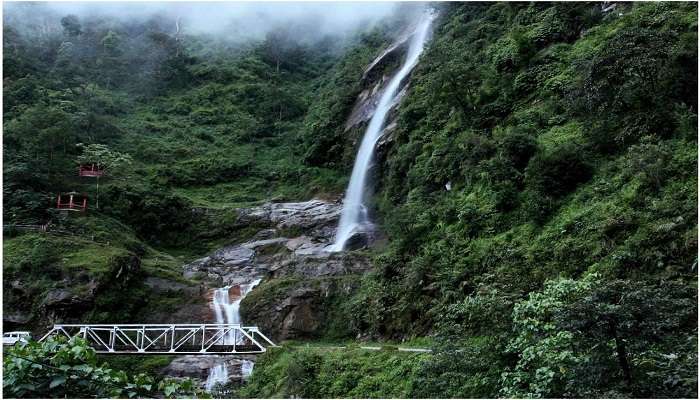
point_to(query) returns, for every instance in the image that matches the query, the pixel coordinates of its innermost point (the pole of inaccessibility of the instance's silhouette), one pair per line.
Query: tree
(62, 368)
(636, 332)
(71, 25)
(105, 159)
(546, 359)
(282, 50)
(595, 338)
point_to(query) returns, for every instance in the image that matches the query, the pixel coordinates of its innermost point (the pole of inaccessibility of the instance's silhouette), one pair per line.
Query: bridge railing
(167, 338)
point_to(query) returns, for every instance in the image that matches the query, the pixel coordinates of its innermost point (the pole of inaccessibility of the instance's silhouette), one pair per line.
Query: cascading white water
(228, 312)
(218, 375)
(246, 368)
(354, 214)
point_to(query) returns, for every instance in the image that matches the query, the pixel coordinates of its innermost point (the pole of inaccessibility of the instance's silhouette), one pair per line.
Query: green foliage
(568, 148)
(590, 338)
(101, 155)
(58, 368)
(321, 373)
(464, 369)
(630, 81)
(545, 361)
(549, 176)
(169, 103)
(205, 171)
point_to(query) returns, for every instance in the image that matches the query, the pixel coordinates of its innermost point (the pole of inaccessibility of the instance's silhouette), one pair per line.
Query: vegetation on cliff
(540, 197)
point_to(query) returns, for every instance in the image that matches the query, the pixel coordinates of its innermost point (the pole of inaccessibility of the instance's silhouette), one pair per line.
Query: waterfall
(218, 375)
(246, 368)
(354, 214)
(228, 312)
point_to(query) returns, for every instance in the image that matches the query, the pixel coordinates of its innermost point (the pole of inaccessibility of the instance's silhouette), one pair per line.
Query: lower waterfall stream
(227, 311)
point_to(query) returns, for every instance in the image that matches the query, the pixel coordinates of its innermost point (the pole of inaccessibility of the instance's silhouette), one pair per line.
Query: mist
(235, 21)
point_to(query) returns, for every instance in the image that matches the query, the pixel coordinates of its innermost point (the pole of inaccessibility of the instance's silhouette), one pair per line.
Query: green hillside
(538, 194)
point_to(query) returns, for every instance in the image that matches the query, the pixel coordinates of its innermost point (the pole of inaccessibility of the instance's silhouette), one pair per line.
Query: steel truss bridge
(167, 338)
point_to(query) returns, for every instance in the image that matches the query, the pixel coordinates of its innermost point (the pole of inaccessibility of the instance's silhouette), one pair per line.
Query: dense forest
(537, 197)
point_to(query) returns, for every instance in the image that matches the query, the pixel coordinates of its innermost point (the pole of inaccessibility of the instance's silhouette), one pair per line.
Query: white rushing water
(354, 213)
(228, 312)
(246, 368)
(218, 375)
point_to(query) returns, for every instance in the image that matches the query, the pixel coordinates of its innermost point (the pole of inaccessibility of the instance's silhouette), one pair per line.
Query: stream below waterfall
(226, 303)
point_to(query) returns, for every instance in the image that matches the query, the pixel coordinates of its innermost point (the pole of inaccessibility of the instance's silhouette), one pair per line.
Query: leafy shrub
(546, 361)
(333, 373)
(650, 161)
(585, 339)
(205, 171)
(518, 148)
(505, 55)
(59, 368)
(154, 214)
(558, 172)
(628, 87)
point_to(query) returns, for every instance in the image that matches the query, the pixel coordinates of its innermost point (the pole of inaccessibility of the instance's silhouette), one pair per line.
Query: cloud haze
(239, 20)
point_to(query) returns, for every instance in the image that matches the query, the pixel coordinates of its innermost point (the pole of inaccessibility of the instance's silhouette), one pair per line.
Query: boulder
(362, 237)
(222, 263)
(298, 314)
(60, 298)
(197, 367)
(65, 306)
(15, 319)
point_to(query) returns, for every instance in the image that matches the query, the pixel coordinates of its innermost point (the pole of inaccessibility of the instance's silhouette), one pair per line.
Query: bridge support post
(172, 339)
(112, 338)
(142, 345)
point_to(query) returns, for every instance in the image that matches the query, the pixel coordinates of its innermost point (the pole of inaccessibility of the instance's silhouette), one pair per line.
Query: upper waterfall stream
(354, 215)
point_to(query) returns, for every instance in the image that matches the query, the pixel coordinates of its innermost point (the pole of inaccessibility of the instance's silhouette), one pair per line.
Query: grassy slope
(322, 373)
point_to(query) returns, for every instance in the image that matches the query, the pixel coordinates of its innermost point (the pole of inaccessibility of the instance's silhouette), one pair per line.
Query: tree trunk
(97, 197)
(621, 353)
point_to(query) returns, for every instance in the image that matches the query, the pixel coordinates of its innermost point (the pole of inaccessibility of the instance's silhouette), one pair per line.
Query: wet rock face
(297, 311)
(322, 265)
(161, 285)
(296, 307)
(244, 262)
(301, 317)
(15, 320)
(62, 305)
(374, 79)
(317, 218)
